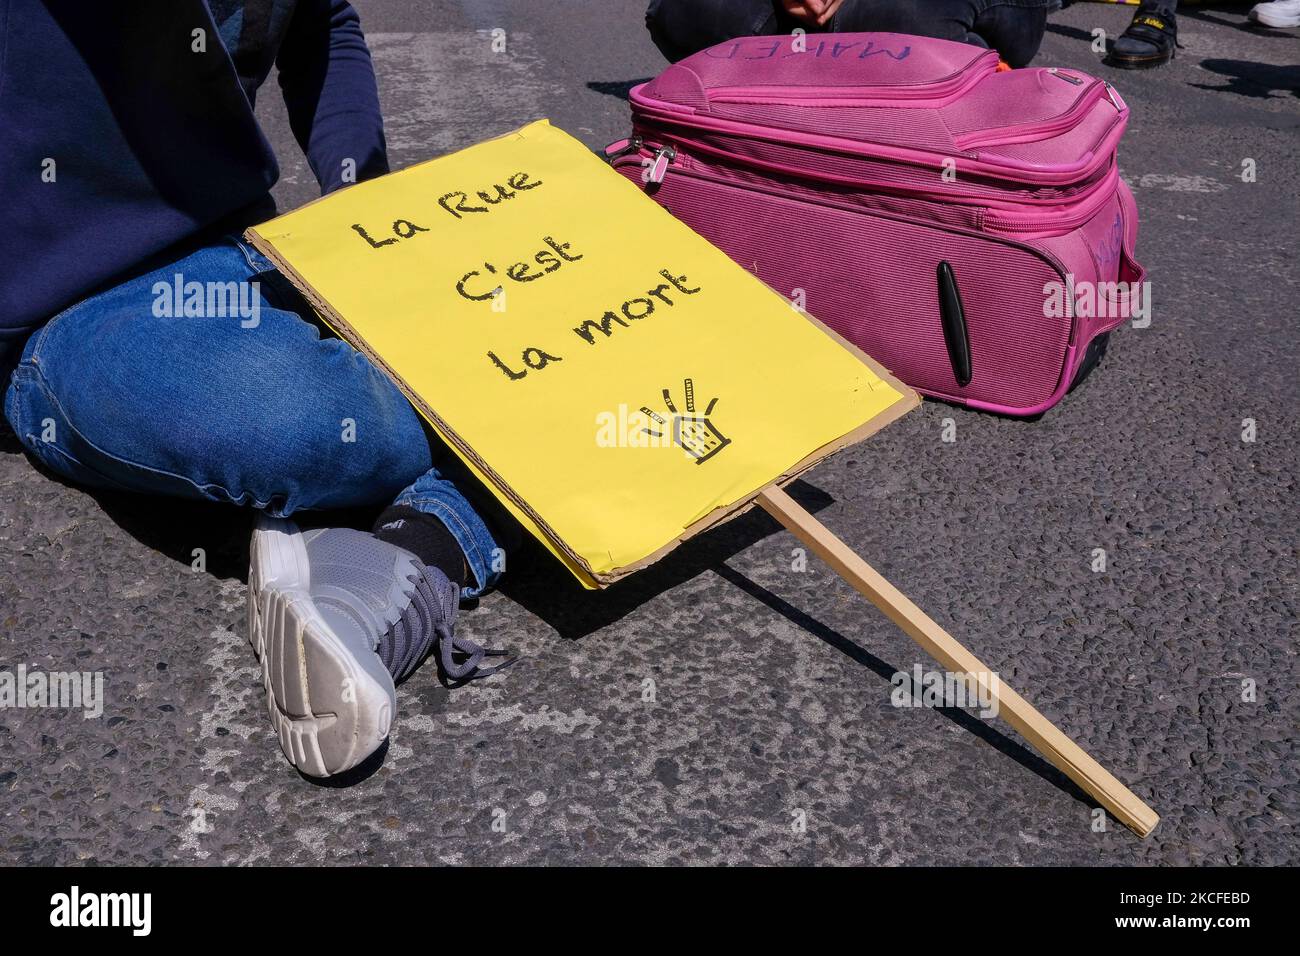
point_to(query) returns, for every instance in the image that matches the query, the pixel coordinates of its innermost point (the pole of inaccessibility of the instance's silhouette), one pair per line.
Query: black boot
(1150, 39)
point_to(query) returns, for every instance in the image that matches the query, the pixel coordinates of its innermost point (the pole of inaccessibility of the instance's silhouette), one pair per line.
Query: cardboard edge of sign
(908, 400)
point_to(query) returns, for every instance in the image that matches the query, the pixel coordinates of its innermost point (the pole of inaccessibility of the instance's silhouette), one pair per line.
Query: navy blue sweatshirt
(127, 129)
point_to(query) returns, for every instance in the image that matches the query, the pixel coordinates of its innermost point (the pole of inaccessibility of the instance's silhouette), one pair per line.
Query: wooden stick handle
(1062, 752)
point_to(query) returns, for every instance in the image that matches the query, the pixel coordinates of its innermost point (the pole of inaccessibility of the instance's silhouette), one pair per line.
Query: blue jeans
(1012, 27)
(253, 408)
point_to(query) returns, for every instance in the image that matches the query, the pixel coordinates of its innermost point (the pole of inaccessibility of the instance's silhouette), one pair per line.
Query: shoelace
(449, 645)
(426, 622)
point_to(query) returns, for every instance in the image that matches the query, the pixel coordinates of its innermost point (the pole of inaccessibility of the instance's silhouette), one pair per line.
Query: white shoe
(329, 696)
(1279, 13)
(334, 614)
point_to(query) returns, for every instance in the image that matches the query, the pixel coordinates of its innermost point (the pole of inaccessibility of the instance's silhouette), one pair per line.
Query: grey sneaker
(317, 605)
(336, 616)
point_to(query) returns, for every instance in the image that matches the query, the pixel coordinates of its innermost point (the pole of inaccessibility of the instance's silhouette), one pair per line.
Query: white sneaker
(334, 614)
(329, 696)
(1279, 13)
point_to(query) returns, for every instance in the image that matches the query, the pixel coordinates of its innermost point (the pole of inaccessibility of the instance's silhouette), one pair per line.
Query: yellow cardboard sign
(615, 380)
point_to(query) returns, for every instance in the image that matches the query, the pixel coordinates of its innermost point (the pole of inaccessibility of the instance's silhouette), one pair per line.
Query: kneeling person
(109, 390)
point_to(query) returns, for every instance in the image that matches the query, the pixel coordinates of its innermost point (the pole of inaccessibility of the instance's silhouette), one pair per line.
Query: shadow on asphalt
(544, 587)
(175, 527)
(1259, 80)
(620, 89)
(1205, 13)
(962, 718)
(1065, 30)
(350, 778)
(9, 443)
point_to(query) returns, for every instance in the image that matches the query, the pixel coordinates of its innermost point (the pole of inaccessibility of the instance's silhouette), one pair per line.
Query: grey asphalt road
(723, 706)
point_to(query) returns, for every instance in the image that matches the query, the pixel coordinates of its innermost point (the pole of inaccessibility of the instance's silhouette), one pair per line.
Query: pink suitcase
(965, 226)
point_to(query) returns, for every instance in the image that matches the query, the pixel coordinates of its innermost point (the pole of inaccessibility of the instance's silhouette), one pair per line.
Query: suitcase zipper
(658, 123)
(1045, 254)
(995, 220)
(1031, 132)
(970, 198)
(622, 147)
(659, 166)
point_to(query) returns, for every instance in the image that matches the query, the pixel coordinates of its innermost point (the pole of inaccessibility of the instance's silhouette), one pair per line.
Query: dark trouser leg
(1012, 27)
(682, 27)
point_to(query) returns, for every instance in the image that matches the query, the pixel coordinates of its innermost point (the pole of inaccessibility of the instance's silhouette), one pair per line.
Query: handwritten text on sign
(477, 285)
